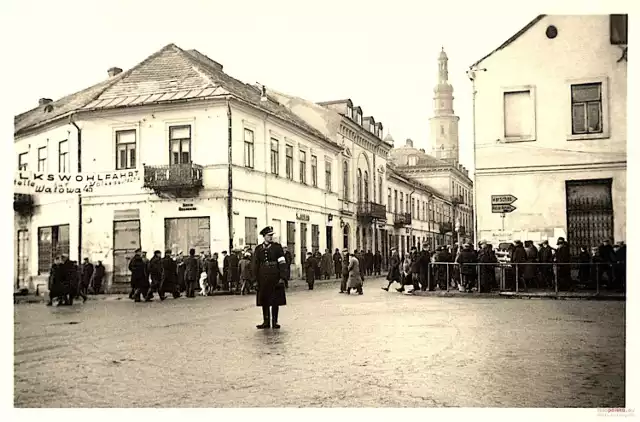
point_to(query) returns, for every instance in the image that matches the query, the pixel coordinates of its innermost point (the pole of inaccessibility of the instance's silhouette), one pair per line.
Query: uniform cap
(266, 231)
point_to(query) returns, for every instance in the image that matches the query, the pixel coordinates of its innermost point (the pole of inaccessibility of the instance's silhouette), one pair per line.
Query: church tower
(444, 123)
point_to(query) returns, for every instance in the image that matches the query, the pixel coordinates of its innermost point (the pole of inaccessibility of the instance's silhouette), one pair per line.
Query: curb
(512, 295)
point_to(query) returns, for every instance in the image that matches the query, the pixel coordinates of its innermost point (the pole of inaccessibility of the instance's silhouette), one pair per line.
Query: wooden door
(589, 213)
(126, 239)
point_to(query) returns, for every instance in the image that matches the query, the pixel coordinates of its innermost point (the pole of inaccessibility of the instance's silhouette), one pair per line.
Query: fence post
(478, 276)
(597, 278)
(503, 283)
(555, 277)
(448, 278)
(517, 277)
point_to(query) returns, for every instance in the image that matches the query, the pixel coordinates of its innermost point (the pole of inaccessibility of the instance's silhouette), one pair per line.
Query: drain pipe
(230, 177)
(79, 140)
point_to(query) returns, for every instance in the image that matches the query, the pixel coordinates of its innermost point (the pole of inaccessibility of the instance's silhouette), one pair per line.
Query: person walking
(169, 279)
(269, 269)
(326, 264)
(191, 273)
(245, 273)
(310, 266)
(337, 263)
(139, 277)
(344, 266)
(356, 278)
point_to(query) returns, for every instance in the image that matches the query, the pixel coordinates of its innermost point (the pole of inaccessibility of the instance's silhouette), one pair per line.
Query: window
(53, 241)
(359, 119)
(248, 148)
(389, 199)
(359, 184)
(251, 232)
(401, 202)
(366, 186)
(125, 149)
(349, 112)
(395, 201)
(63, 157)
(180, 144)
(380, 189)
(345, 180)
(412, 160)
(432, 216)
(586, 108)
(23, 161)
(519, 115)
(315, 237)
(618, 27)
(289, 162)
(275, 156)
(42, 159)
(327, 175)
(314, 171)
(303, 167)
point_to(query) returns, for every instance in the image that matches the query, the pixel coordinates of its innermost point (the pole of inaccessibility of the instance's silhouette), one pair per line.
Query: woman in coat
(326, 264)
(394, 269)
(355, 279)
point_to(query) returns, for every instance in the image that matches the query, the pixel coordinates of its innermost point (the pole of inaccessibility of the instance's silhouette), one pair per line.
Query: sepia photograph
(319, 205)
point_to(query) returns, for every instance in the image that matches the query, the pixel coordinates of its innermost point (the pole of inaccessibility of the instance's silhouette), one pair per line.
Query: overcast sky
(382, 56)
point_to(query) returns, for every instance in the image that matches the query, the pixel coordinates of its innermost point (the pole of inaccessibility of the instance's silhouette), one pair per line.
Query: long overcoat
(139, 276)
(355, 277)
(269, 266)
(326, 263)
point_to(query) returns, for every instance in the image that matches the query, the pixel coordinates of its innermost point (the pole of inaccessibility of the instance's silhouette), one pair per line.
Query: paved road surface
(380, 349)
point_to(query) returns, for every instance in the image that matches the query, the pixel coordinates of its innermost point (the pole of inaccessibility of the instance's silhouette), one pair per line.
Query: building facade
(551, 131)
(208, 161)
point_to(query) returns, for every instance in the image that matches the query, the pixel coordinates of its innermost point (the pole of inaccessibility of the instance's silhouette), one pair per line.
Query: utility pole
(471, 73)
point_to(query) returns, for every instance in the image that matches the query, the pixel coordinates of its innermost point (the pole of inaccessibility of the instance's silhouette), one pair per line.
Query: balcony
(371, 211)
(457, 200)
(177, 178)
(23, 203)
(401, 220)
(347, 208)
(446, 227)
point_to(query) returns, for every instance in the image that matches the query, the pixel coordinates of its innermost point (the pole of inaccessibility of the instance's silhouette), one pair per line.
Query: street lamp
(471, 73)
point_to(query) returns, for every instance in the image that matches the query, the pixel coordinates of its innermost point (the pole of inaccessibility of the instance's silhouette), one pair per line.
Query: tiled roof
(171, 74)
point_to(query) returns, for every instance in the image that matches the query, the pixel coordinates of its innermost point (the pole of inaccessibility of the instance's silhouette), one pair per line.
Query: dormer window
(412, 160)
(349, 112)
(359, 119)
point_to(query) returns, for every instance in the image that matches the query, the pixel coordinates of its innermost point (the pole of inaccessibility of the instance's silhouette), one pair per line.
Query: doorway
(22, 272)
(182, 234)
(589, 213)
(126, 239)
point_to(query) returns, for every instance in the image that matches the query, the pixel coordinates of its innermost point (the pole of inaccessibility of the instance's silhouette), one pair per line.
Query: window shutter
(518, 114)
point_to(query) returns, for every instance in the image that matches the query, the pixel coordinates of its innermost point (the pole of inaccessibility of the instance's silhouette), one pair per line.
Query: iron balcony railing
(402, 219)
(173, 176)
(372, 210)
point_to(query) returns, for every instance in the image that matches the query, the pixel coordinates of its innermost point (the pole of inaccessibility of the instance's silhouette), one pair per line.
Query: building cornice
(561, 168)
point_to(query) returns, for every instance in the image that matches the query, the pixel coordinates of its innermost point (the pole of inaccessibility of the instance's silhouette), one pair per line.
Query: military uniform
(269, 267)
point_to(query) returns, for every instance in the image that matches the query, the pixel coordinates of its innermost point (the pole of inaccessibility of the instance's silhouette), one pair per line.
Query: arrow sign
(503, 199)
(502, 208)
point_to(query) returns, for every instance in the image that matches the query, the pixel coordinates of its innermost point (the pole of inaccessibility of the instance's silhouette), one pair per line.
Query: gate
(589, 213)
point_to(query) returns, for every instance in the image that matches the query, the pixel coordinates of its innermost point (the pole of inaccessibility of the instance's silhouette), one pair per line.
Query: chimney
(409, 143)
(43, 101)
(114, 71)
(263, 94)
(422, 150)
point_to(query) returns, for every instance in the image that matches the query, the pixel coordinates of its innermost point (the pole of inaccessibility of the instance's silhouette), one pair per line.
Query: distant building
(441, 169)
(551, 126)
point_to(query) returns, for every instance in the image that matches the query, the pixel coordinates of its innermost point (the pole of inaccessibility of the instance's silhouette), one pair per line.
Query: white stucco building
(551, 129)
(317, 172)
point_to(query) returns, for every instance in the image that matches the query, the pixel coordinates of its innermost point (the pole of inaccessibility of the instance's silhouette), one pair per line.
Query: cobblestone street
(379, 349)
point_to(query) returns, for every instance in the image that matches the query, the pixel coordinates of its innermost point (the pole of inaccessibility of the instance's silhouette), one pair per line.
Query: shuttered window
(518, 115)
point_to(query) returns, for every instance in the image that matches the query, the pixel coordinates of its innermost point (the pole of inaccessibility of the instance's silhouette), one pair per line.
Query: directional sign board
(503, 199)
(502, 208)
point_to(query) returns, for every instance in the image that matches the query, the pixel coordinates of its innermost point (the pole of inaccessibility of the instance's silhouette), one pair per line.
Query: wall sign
(302, 217)
(187, 207)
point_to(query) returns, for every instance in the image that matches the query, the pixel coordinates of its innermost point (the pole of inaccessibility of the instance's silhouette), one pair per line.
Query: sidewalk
(297, 284)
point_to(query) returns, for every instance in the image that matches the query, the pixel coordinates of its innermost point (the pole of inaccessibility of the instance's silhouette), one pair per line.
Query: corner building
(551, 118)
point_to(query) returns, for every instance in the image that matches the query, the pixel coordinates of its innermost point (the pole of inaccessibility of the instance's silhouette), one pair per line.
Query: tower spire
(444, 123)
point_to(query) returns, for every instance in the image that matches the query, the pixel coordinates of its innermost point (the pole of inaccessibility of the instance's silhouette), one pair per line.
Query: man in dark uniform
(139, 277)
(269, 267)
(169, 276)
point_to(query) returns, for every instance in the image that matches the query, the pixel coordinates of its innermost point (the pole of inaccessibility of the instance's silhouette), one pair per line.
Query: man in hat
(269, 269)
(545, 258)
(563, 258)
(139, 277)
(345, 270)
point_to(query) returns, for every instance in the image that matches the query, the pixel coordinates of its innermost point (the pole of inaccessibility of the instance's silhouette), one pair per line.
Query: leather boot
(266, 319)
(274, 314)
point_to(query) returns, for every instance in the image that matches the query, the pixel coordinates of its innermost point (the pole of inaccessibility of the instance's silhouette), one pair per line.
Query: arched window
(345, 237)
(345, 180)
(366, 186)
(359, 184)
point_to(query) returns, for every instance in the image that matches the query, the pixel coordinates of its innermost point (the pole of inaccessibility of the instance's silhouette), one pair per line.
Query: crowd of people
(465, 268)
(470, 269)
(69, 281)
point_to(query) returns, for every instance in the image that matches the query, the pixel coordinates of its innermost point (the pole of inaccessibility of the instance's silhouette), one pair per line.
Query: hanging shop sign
(51, 183)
